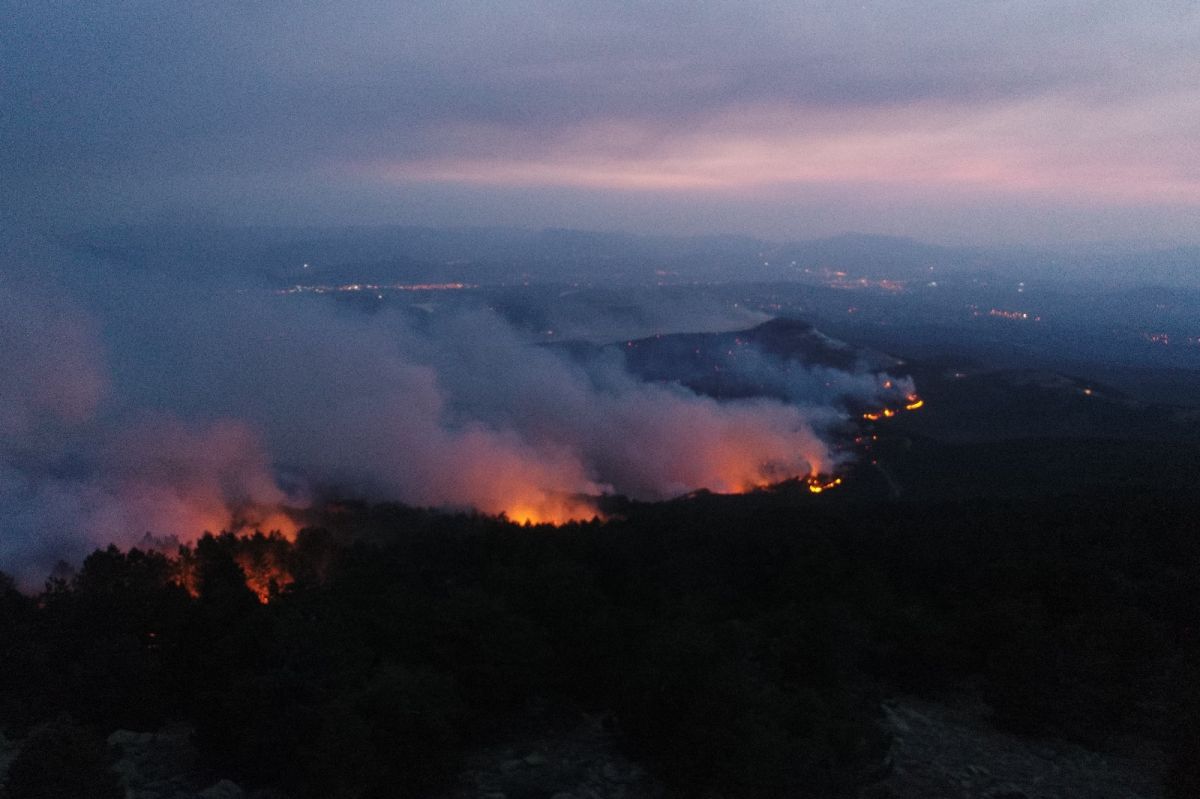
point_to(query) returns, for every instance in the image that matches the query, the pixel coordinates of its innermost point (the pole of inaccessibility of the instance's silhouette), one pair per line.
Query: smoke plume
(135, 404)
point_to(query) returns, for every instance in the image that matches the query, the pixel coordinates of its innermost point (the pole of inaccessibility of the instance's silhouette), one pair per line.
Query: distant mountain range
(790, 360)
(289, 256)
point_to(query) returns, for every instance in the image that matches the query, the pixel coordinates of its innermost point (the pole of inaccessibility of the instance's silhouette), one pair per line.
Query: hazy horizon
(1020, 124)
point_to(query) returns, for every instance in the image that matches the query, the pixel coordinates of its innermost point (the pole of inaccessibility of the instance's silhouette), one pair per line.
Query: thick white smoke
(134, 404)
(76, 468)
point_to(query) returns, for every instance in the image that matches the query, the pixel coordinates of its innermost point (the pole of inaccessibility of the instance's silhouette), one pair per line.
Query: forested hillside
(740, 646)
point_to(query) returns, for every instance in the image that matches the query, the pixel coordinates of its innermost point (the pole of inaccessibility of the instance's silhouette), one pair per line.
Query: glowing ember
(912, 403)
(817, 483)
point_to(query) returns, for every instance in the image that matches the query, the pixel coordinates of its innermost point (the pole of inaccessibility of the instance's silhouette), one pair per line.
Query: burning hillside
(394, 629)
(203, 411)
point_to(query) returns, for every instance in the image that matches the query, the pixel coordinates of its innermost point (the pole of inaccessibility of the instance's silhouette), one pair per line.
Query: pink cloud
(1044, 148)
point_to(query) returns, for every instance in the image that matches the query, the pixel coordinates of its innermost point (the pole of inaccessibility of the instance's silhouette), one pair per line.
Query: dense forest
(740, 645)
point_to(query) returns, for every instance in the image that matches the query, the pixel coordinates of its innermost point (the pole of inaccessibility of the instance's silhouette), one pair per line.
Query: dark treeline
(740, 645)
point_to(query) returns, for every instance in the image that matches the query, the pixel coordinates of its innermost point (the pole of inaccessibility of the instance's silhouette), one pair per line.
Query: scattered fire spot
(818, 483)
(912, 403)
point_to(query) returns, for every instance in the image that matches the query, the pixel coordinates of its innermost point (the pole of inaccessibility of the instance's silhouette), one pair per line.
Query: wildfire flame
(265, 573)
(912, 402)
(186, 573)
(264, 567)
(553, 510)
(818, 483)
(265, 533)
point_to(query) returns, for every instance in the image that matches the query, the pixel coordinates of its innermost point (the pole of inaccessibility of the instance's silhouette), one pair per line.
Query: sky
(993, 122)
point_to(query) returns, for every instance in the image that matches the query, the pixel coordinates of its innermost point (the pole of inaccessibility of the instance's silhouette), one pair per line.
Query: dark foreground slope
(738, 646)
(1026, 539)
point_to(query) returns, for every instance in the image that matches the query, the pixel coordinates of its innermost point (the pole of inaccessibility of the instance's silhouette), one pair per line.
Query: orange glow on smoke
(745, 461)
(271, 521)
(551, 510)
(733, 475)
(263, 566)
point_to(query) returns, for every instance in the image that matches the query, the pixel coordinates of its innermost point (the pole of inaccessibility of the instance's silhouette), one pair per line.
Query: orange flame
(551, 509)
(817, 483)
(186, 575)
(912, 403)
(263, 566)
(266, 574)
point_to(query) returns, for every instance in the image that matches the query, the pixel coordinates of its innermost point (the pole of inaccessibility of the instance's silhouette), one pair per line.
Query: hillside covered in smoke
(146, 405)
(1024, 542)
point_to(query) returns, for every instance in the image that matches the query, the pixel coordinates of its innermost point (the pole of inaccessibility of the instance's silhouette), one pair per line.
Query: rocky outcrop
(8, 753)
(165, 765)
(940, 749)
(567, 762)
(951, 750)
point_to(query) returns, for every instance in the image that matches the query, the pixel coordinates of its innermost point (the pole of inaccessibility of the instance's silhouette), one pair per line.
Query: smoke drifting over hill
(136, 405)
